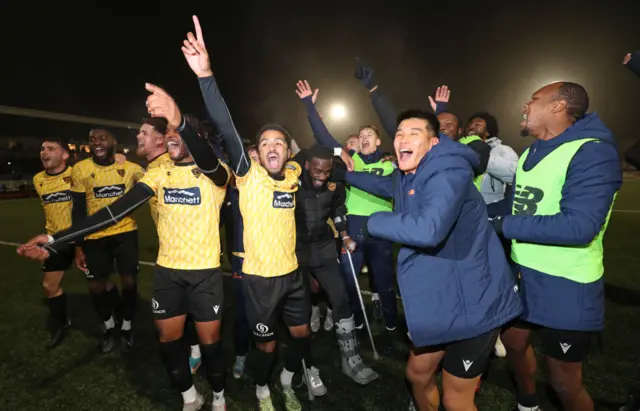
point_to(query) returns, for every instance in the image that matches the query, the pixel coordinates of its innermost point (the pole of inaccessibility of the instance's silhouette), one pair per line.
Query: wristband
(345, 237)
(50, 239)
(337, 151)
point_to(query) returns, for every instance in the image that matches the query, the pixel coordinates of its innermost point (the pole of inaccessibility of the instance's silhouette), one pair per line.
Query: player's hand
(36, 253)
(497, 223)
(627, 58)
(442, 96)
(349, 244)
(348, 161)
(161, 104)
(81, 259)
(32, 248)
(120, 158)
(390, 157)
(195, 52)
(364, 73)
(303, 90)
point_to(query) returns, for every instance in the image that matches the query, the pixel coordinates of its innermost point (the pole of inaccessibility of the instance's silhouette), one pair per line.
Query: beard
(525, 132)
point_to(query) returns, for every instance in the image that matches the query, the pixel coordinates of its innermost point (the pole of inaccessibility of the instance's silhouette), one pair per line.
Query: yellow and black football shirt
(102, 186)
(268, 212)
(159, 161)
(54, 191)
(188, 205)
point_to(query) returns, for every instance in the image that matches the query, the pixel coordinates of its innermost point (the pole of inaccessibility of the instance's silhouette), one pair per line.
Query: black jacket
(315, 206)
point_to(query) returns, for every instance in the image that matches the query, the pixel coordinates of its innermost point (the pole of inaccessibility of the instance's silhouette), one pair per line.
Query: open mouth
(99, 151)
(405, 154)
(172, 145)
(272, 160)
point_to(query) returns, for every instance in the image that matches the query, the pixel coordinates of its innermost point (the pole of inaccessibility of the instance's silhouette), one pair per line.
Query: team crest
(93, 175)
(331, 186)
(121, 172)
(196, 172)
(66, 179)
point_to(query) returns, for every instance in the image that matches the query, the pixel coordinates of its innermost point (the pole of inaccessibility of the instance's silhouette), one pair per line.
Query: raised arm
(440, 103)
(220, 116)
(161, 104)
(383, 107)
(203, 153)
(195, 52)
(632, 61)
(320, 131)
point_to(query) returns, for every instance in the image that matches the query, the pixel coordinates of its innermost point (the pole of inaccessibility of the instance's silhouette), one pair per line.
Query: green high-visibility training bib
(362, 203)
(538, 192)
(466, 140)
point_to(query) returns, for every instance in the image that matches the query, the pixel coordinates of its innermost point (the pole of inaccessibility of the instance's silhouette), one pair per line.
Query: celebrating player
(53, 186)
(272, 283)
(188, 279)
(95, 183)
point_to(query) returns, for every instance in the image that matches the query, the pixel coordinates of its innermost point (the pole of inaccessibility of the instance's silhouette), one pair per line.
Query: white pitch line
(150, 264)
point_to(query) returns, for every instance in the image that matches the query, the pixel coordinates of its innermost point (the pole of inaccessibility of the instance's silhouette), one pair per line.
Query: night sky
(95, 62)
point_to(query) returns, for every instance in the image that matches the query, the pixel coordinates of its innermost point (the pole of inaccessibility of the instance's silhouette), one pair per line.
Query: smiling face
(273, 151)
(369, 140)
(477, 127)
(319, 170)
(178, 151)
(449, 125)
(412, 142)
(102, 144)
(150, 141)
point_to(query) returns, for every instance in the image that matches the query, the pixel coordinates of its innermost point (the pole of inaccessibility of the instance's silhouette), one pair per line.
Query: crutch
(306, 377)
(376, 356)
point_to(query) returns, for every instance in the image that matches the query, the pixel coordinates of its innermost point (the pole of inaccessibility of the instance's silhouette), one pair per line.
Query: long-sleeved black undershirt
(219, 115)
(139, 194)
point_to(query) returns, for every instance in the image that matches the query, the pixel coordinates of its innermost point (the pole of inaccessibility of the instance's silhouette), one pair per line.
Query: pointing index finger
(155, 89)
(199, 35)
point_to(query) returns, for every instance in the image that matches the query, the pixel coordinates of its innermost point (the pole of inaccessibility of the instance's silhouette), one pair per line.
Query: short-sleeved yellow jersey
(102, 186)
(268, 213)
(188, 205)
(54, 191)
(159, 161)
